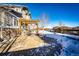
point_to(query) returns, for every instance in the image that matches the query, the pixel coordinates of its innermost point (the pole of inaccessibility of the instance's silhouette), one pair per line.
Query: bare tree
(43, 20)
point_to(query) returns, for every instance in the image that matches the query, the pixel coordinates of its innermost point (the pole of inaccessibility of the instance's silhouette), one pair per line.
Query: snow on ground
(73, 36)
(46, 32)
(70, 46)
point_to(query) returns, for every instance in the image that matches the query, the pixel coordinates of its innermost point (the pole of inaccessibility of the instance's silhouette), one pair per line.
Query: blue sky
(68, 14)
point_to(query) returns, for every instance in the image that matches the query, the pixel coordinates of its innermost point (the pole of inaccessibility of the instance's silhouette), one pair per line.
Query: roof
(16, 13)
(7, 8)
(12, 5)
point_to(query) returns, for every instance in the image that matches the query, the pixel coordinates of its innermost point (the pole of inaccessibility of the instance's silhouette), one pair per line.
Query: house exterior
(10, 14)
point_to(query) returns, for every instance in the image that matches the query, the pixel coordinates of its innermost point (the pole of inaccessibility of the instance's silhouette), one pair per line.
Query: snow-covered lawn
(46, 32)
(70, 46)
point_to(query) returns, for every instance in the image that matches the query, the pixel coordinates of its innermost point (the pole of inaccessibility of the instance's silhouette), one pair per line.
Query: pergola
(27, 22)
